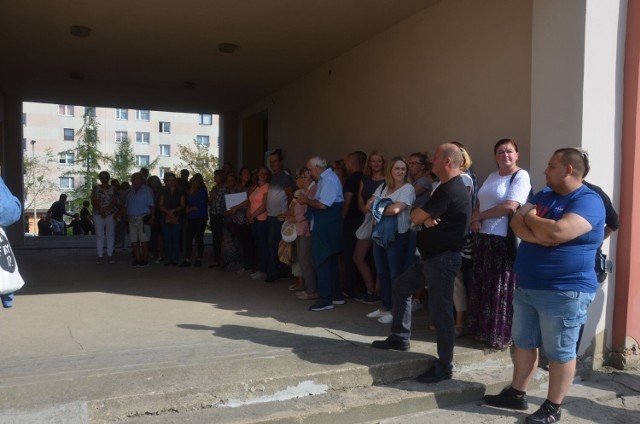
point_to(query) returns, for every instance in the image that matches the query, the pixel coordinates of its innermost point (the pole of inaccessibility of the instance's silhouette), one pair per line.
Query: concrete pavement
(114, 343)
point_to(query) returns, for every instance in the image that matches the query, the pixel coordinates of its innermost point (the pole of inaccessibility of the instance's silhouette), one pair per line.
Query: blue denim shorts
(550, 319)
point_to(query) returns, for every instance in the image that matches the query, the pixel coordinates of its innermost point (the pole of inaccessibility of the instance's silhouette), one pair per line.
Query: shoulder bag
(10, 278)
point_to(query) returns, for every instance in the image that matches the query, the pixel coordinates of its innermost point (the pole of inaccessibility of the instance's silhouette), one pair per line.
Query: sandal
(306, 296)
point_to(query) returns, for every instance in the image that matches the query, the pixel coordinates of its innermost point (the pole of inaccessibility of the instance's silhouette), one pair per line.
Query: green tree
(88, 156)
(197, 159)
(35, 181)
(123, 161)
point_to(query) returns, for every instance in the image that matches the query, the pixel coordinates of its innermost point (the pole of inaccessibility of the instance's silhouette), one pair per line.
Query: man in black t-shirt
(57, 212)
(444, 221)
(352, 219)
(86, 219)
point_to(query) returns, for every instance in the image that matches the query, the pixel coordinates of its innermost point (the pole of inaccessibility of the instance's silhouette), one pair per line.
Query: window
(142, 160)
(203, 140)
(204, 119)
(165, 150)
(142, 138)
(68, 134)
(65, 110)
(120, 136)
(142, 115)
(162, 171)
(67, 183)
(90, 111)
(165, 127)
(24, 145)
(122, 114)
(24, 119)
(65, 158)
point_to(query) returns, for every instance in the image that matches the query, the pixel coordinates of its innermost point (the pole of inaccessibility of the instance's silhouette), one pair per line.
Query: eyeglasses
(415, 163)
(505, 152)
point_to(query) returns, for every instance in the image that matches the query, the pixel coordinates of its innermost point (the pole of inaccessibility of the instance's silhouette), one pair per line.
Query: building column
(12, 151)
(626, 326)
(577, 58)
(229, 146)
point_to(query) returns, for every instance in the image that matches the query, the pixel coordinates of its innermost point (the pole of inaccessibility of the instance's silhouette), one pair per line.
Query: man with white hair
(326, 232)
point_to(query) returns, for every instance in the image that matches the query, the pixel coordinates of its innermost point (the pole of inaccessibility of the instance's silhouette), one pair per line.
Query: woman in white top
(393, 260)
(491, 294)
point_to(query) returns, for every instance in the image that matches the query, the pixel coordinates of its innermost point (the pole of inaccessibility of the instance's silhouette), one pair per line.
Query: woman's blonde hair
(367, 169)
(388, 177)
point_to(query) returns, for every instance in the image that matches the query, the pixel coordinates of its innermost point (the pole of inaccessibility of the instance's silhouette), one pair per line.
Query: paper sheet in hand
(234, 199)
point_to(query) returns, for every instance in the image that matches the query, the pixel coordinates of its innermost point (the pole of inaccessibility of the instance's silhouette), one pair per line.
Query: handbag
(604, 266)
(512, 240)
(171, 219)
(286, 252)
(10, 278)
(365, 229)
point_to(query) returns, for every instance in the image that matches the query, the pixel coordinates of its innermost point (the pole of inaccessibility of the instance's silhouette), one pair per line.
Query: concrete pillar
(229, 145)
(626, 326)
(12, 152)
(577, 57)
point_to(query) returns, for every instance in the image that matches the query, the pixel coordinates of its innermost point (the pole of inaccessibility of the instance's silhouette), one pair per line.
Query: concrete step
(315, 403)
(155, 384)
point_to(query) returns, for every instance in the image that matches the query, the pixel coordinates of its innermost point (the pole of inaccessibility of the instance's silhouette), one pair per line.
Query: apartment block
(153, 134)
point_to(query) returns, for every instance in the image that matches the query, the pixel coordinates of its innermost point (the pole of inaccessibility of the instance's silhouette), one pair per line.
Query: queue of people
(396, 232)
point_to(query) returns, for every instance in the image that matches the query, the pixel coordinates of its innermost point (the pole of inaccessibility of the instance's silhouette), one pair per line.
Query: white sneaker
(258, 275)
(376, 314)
(416, 305)
(386, 319)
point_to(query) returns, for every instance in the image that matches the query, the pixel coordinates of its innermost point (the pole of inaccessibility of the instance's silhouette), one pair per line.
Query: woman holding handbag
(171, 204)
(491, 293)
(372, 178)
(10, 212)
(391, 204)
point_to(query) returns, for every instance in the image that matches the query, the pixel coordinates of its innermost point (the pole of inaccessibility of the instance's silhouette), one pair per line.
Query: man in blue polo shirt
(326, 233)
(140, 212)
(560, 228)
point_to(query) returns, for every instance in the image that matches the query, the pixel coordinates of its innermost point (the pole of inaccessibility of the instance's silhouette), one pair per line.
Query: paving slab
(125, 341)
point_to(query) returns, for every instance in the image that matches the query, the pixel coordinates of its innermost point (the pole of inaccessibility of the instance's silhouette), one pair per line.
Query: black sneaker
(546, 414)
(392, 342)
(435, 374)
(370, 298)
(184, 264)
(321, 306)
(507, 399)
(197, 263)
(135, 263)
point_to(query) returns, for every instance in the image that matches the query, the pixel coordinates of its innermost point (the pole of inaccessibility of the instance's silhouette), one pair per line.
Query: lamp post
(33, 160)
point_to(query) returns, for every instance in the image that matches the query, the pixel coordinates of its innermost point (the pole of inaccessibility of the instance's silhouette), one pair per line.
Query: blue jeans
(260, 231)
(551, 319)
(390, 263)
(171, 235)
(328, 280)
(438, 273)
(273, 267)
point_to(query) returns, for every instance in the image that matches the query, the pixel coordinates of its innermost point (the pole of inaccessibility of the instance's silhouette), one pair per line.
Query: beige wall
(458, 70)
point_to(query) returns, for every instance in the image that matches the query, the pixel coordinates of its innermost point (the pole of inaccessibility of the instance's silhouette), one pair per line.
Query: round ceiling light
(227, 47)
(80, 31)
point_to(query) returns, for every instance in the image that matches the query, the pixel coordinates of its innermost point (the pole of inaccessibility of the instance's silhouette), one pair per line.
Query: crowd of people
(393, 232)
